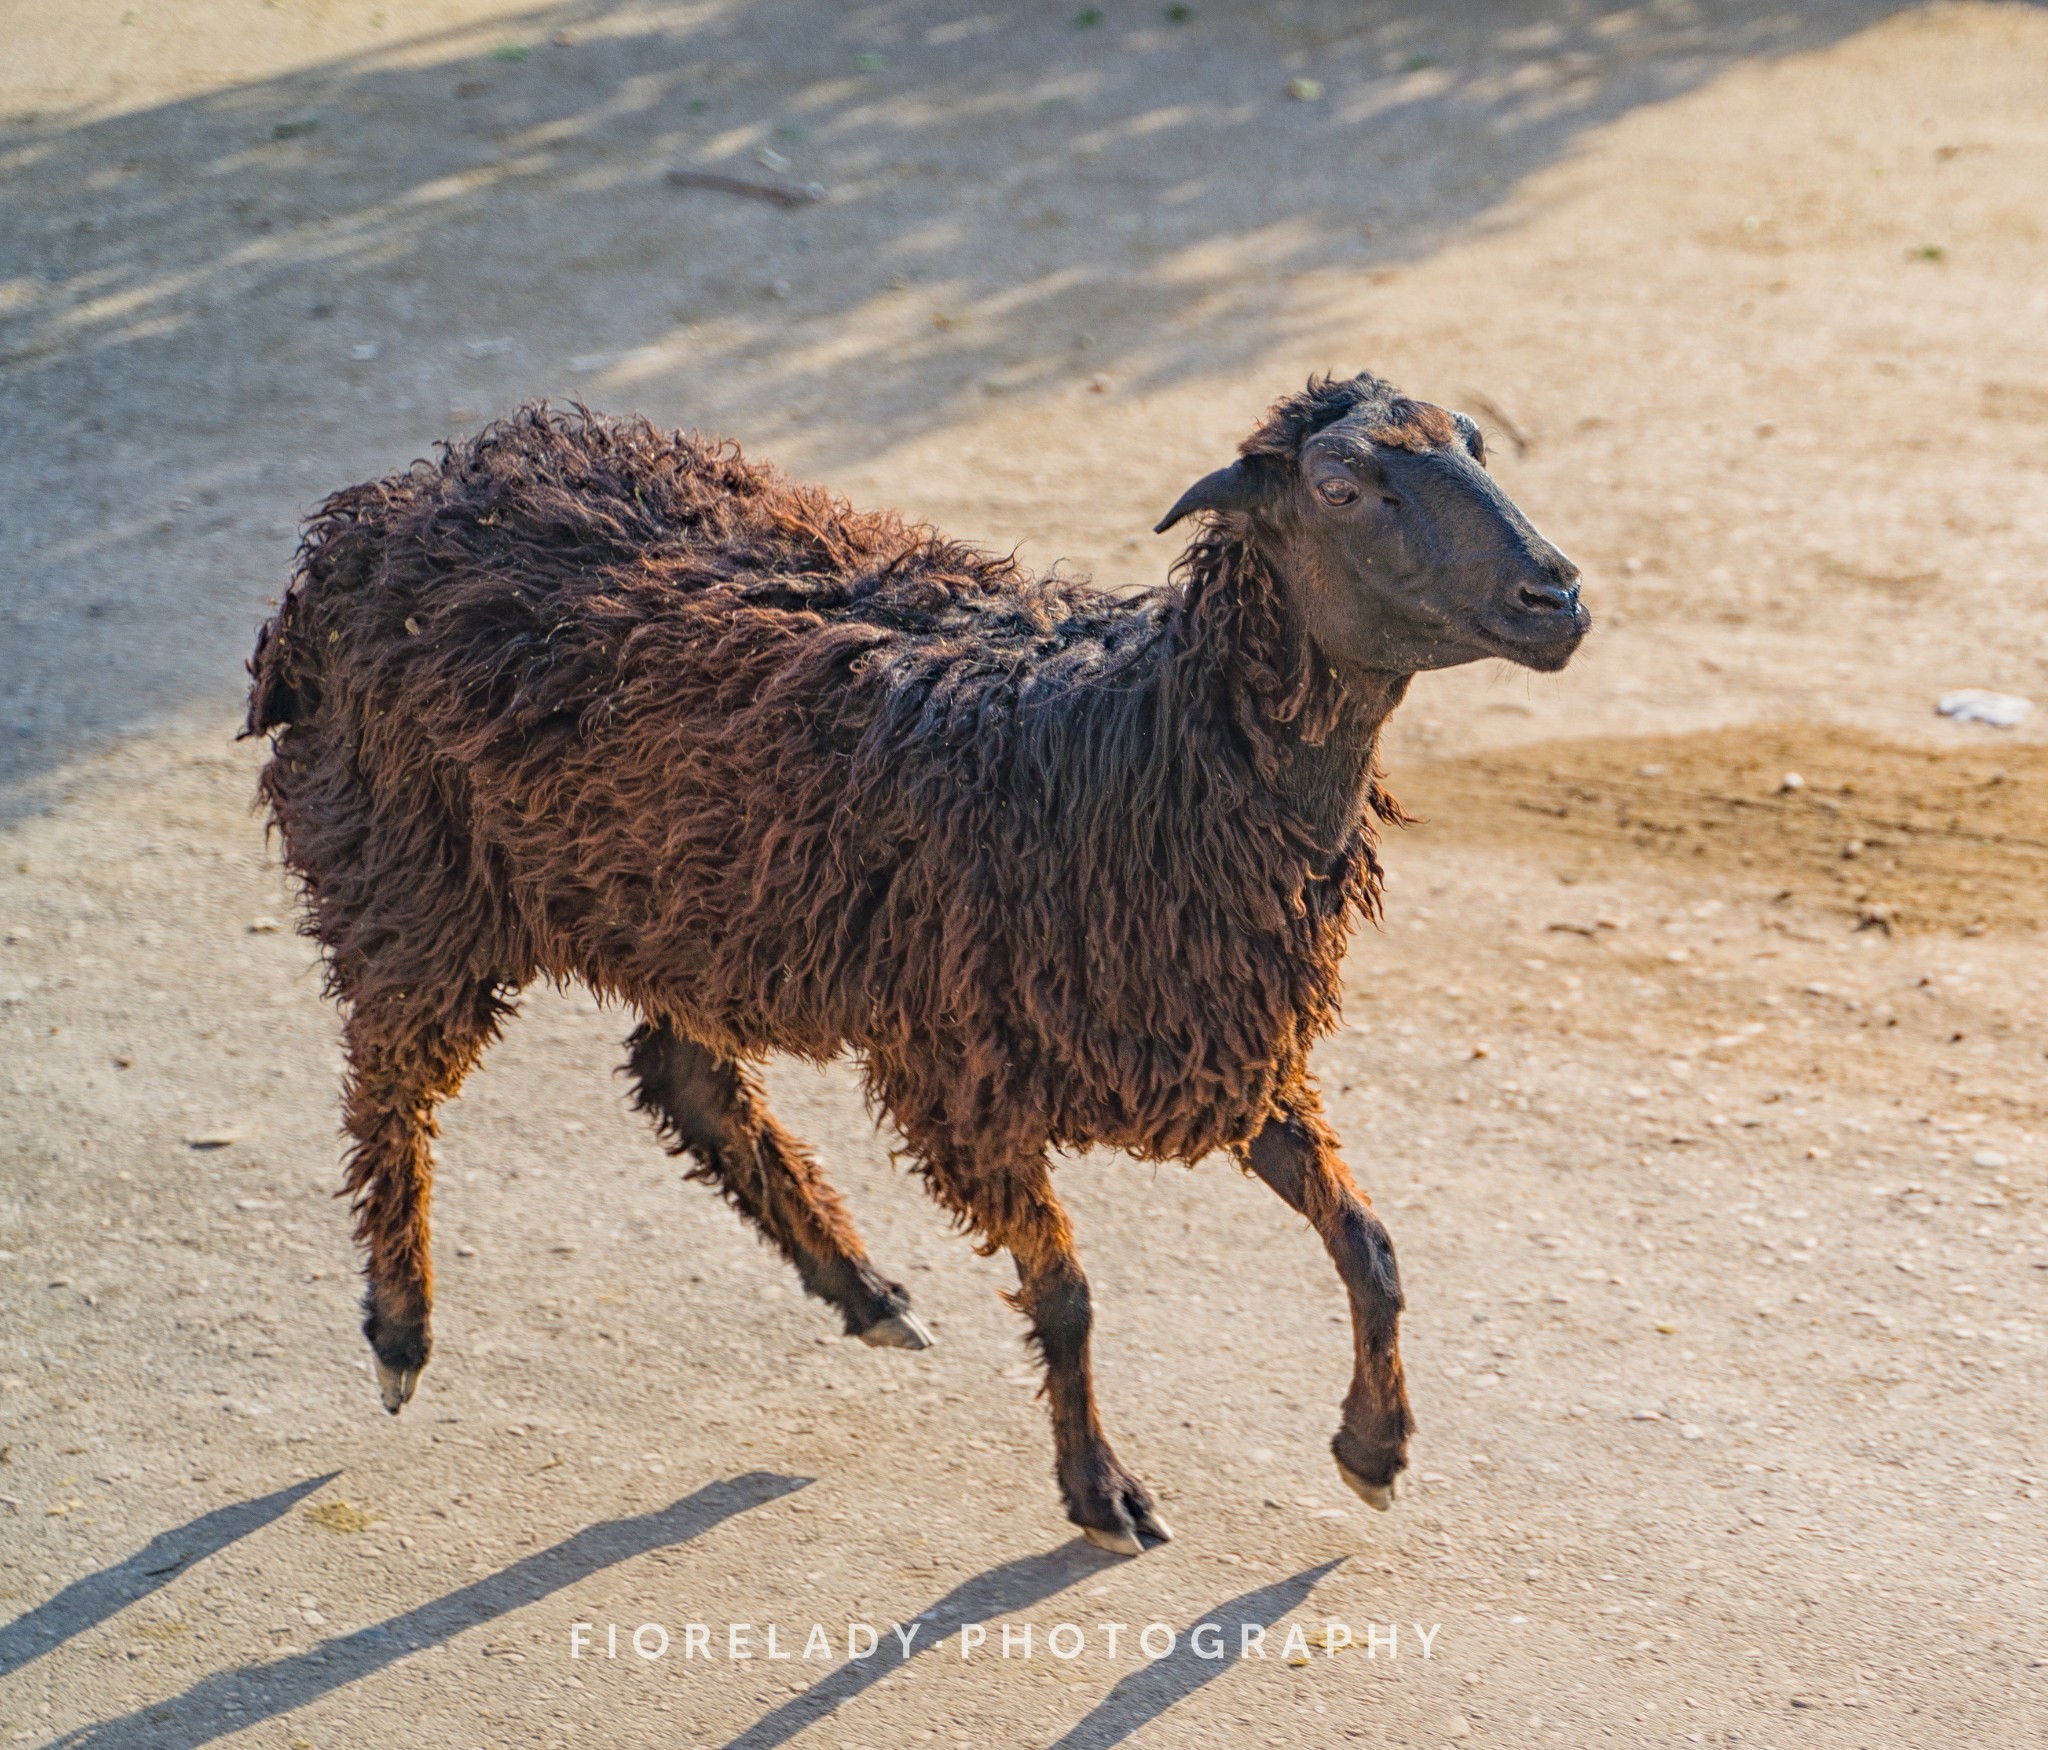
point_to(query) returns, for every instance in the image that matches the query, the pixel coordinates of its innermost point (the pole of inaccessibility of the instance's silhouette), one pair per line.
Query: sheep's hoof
(1118, 1543)
(904, 1330)
(1378, 1496)
(1137, 1526)
(396, 1384)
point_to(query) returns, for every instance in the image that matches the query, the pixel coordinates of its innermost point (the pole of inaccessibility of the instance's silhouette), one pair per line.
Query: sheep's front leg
(1297, 1156)
(1016, 1209)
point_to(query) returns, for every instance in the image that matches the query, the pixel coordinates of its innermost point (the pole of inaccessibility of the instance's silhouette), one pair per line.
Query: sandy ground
(1707, 1113)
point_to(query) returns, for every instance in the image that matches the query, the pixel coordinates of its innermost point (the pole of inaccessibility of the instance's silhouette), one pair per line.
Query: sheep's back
(701, 717)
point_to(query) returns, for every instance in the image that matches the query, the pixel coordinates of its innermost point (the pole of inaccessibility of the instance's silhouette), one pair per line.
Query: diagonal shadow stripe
(1146, 1694)
(231, 1701)
(95, 1597)
(1012, 1586)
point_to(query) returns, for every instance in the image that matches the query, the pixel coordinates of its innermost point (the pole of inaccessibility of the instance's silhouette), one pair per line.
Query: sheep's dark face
(1397, 549)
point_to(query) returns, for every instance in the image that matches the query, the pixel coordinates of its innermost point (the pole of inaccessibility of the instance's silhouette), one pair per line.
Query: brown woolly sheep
(587, 701)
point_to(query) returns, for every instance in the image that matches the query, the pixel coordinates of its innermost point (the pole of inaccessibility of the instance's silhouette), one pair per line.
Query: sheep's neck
(1326, 782)
(1312, 732)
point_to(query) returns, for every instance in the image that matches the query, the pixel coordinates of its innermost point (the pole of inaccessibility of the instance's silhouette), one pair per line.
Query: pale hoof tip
(904, 1330)
(396, 1383)
(1155, 1528)
(1118, 1543)
(1378, 1496)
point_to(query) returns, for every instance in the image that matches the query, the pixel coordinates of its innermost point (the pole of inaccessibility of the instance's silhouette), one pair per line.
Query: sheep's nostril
(1550, 598)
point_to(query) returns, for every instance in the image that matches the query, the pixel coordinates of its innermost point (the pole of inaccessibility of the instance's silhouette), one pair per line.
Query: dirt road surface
(1706, 1107)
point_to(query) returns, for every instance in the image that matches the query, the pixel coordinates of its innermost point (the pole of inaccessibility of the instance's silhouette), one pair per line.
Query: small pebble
(1305, 90)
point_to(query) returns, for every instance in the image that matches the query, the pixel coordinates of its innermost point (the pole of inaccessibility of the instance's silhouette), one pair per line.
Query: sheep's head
(1396, 548)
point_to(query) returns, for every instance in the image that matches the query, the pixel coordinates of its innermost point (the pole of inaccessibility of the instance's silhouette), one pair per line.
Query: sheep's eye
(1337, 490)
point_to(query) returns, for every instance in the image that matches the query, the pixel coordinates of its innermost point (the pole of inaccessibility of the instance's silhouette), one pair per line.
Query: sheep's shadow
(232, 1701)
(1010, 1587)
(97, 1596)
(1141, 1697)
(1149, 1691)
(303, 276)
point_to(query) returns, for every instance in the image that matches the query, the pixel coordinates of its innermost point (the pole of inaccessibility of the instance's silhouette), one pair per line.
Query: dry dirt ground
(1707, 1112)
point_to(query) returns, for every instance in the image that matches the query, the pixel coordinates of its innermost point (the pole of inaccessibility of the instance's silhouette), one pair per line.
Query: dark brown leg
(407, 1053)
(712, 1107)
(1297, 1156)
(1015, 1209)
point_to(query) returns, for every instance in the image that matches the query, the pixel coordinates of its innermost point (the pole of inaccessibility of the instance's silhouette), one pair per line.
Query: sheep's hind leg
(712, 1107)
(1017, 1210)
(406, 1055)
(1297, 1156)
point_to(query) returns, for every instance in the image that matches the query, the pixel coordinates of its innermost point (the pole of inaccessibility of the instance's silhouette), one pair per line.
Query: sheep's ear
(1241, 486)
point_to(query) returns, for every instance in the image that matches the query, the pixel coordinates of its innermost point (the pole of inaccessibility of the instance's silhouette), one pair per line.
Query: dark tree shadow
(95, 1597)
(231, 1701)
(196, 298)
(1148, 1692)
(1013, 1586)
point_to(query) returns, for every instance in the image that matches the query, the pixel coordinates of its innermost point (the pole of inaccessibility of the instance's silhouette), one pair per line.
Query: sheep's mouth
(1545, 646)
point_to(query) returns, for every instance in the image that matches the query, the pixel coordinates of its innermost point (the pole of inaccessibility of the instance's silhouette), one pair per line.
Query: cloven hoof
(1146, 1529)
(904, 1330)
(1118, 1543)
(396, 1384)
(1378, 1496)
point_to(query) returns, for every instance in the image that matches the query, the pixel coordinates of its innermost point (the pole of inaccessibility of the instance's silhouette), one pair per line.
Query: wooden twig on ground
(775, 194)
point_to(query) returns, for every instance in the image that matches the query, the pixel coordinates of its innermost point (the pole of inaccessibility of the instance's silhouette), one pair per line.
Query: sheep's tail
(338, 549)
(284, 668)
(274, 700)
